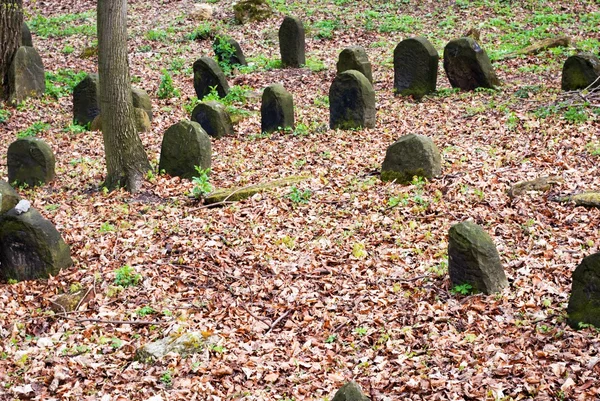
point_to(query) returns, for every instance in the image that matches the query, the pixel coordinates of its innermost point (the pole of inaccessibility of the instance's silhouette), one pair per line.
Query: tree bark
(11, 20)
(126, 159)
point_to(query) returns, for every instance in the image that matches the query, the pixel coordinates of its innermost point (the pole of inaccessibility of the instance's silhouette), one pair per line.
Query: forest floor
(339, 277)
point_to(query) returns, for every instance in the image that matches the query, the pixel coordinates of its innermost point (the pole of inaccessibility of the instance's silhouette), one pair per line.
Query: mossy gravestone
(141, 100)
(415, 67)
(26, 39)
(208, 74)
(26, 75)
(8, 197)
(140, 117)
(355, 58)
(584, 302)
(468, 66)
(30, 162)
(252, 10)
(473, 259)
(350, 392)
(277, 109)
(184, 146)
(292, 42)
(412, 155)
(580, 71)
(351, 101)
(213, 118)
(30, 247)
(85, 100)
(228, 50)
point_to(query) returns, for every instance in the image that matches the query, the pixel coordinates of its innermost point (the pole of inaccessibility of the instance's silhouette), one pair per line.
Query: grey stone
(85, 100)
(8, 197)
(141, 100)
(251, 10)
(30, 247)
(473, 259)
(183, 344)
(468, 66)
(277, 109)
(26, 75)
(415, 67)
(411, 155)
(213, 118)
(580, 71)
(350, 392)
(355, 58)
(184, 146)
(351, 101)
(26, 39)
(140, 116)
(292, 42)
(584, 302)
(229, 51)
(208, 74)
(30, 162)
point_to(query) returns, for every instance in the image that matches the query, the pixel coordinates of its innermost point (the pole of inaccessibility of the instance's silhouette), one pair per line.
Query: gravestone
(252, 10)
(26, 39)
(141, 100)
(350, 392)
(30, 246)
(30, 162)
(85, 100)
(355, 58)
(213, 118)
(277, 109)
(8, 197)
(584, 302)
(580, 71)
(184, 146)
(26, 75)
(207, 74)
(228, 50)
(411, 155)
(473, 259)
(291, 42)
(468, 66)
(351, 101)
(415, 67)
(184, 344)
(140, 116)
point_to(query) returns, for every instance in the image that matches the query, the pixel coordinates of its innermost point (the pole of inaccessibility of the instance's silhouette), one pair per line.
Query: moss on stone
(241, 193)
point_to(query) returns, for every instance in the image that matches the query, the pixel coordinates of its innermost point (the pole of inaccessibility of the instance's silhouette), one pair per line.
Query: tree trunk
(126, 159)
(11, 20)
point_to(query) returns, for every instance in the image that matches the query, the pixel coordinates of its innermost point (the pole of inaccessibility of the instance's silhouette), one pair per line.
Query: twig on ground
(277, 321)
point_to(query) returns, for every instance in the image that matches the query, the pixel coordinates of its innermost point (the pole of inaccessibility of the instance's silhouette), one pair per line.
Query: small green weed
(575, 115)
(4, 115)
(68, 49)
(61, 83)
(324, 29)
(201, 183)
(401, 199)
(167, 378)
(298, 196)
(64, 25)
(201, 32)
(593, 148)
(106, 227)
(156, 35)
(315, 65)
(361, 331)
(166, 88)
(224, 51)
(331, 339)
(462, 289)
(127, 277)
(359, 251)
(145, 311)
(527, 91)
(34, 129)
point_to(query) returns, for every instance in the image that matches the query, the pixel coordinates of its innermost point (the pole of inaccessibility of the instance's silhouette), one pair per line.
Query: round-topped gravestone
(251, 10)
(185, 145)
(141, 100)
(26, 39)
(355, 58)
(292, 42)
(411, 155)
(30, 162)
(350, 392)
(277, 109)
(584, 301)
(468, 66)
(351, 101)
(26, 75)
(208, 74)
(8, 197)
(415, 67)
(213, 118)
(85, 100)
(228, 50)
(580, 71)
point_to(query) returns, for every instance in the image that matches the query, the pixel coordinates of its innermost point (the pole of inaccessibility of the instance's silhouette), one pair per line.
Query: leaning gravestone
(411, 155)
(355, 58)
(351, 101)
(580, 71)
(26, 75)
(26, 39)
(468, 66)
(8, 197)
(208, 74)
(473, 259)
(277, 109)
(415, 67)
(85, 100)
(141, 100)
(229, 51)
(350, 392)
(184, 146)
(30, 162)
(30, 246)
(213, 118)
(291, 42)
(584, 302)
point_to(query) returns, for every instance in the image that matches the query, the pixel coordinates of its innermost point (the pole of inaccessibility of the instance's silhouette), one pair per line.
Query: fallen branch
(94, 320)
(535, 48)
(587, 199)
(279, 319)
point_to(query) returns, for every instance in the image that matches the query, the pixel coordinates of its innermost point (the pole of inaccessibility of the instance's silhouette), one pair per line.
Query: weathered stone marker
(26, 39)
(26, 75)
(468, 66)
(228, 50)
(213, 118)
(411, 155)
(277, 109)
(208, 74)
(355, 58)
(30, 162)
(185, 344)
(292, 42)
(140, 117)
(351, 101)
(580, 71)
(30, 246)
(184, 146)
(415, 67)
(8, 197)
(141, 100)
(85, 100)
(251, 10)
(473, 259)
(584, 302)
(350, 392)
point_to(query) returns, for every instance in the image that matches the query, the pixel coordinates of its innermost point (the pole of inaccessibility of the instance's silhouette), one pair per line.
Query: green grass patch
(64, 25)
(61, 83)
